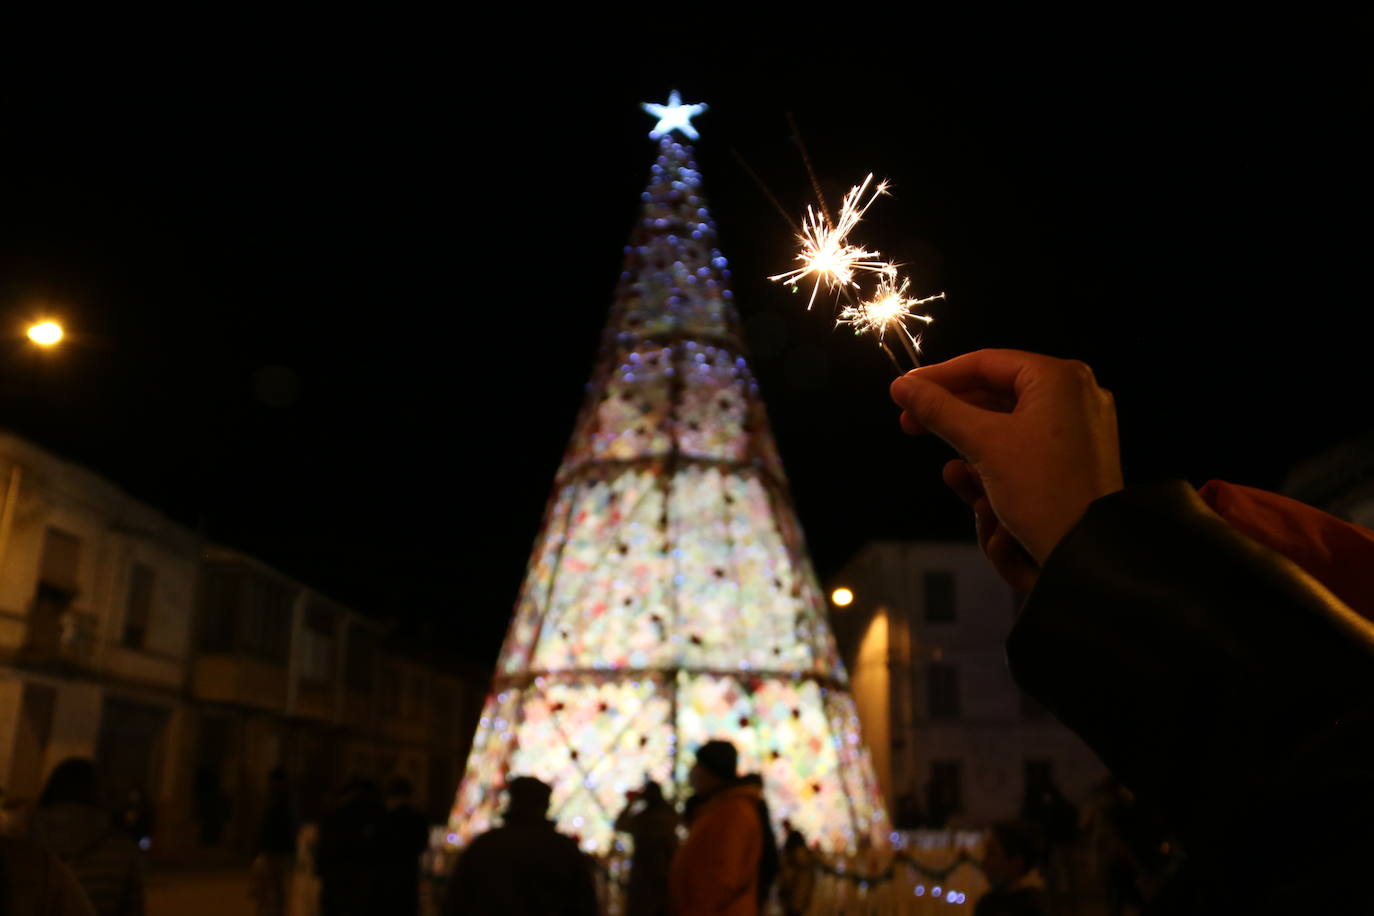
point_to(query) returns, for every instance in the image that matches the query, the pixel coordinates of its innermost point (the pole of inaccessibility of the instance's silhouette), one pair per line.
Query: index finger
(996, 370)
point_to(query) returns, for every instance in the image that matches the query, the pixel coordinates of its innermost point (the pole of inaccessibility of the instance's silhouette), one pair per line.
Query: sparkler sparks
(828, 257)
(826, 253)
(889, 309)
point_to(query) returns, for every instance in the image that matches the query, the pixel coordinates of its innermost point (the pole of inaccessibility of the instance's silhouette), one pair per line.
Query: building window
(359, 664)
(245, 612)
(942, 688)
(389, 692)
(219, 601)
(939, 596)
(61, 560)
(57, 571)
(442, 721)
(413, 698)
(265, 629)
(317, 644)
(138, 606)
(52, 622)
(944, 792)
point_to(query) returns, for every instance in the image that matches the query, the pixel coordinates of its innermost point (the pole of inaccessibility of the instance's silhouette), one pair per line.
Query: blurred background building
(188, 671)
(954, 741)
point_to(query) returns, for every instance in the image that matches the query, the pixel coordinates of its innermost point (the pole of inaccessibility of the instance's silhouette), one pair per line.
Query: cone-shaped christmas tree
(669, 599)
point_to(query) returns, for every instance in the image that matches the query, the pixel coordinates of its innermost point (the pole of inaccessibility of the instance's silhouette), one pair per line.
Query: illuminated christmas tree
(669, 599)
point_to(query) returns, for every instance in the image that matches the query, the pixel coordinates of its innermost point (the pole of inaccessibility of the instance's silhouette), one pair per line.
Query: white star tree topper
(674, 116)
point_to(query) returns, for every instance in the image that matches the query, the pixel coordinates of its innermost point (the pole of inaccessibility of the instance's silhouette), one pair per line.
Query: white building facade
(187, 670)
(953, 738)
(97, 593)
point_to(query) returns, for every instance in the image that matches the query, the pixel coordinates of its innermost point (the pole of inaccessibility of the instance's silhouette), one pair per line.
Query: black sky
(336, 300)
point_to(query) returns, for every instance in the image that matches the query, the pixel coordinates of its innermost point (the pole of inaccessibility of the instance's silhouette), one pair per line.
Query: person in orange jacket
(716, 870)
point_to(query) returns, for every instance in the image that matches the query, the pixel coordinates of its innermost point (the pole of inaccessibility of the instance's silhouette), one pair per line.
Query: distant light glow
(45, 333)
(674, 116)
(842, 597)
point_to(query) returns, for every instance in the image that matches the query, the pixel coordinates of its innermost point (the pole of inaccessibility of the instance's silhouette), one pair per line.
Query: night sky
(334, 301)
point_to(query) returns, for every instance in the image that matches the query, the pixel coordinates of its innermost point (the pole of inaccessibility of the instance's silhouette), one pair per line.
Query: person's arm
(1335, 552)
(1211, 675)
(1205, 670)
(624, 820)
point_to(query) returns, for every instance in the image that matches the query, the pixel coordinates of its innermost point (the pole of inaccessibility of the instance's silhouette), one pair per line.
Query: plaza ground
(205, 892)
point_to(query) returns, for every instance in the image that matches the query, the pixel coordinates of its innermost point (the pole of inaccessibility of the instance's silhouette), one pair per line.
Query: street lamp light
(842, 597)
(45, 333)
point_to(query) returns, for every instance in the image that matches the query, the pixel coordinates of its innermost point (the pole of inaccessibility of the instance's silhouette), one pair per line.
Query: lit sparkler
(889, 309)
(826, 253)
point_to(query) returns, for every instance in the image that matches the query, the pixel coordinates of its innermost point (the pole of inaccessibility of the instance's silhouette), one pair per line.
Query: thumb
(929, 407)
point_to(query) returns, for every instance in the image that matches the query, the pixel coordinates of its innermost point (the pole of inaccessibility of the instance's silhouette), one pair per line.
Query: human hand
(1038, 434)
(1008, 557)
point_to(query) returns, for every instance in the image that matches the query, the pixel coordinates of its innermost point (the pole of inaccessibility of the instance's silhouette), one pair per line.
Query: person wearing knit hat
(716, 869)
(718, 758)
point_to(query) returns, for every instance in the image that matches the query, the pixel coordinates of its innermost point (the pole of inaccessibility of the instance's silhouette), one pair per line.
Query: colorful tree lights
(669, 599)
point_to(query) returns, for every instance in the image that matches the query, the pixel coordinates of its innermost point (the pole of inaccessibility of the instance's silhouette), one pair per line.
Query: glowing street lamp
(45, 333)
(842, 597)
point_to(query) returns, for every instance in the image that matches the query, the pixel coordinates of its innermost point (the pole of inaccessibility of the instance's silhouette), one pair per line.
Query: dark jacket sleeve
(1215, 678)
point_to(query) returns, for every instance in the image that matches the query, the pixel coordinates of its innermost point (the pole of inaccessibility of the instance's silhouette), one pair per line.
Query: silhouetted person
(1130, 850)
(276, 846)
(1057, 820)
(523, 866)
(210, 805)
(940, 804)
(1011, 860)
(717, 869)
(405, 837)
(348, 853)
(652, 823)
(798, 874)
(70, 822)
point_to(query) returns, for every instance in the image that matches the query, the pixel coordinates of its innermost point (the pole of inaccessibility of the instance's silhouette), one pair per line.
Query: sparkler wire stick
(910, 350)
(896, 365)
(806, 161)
